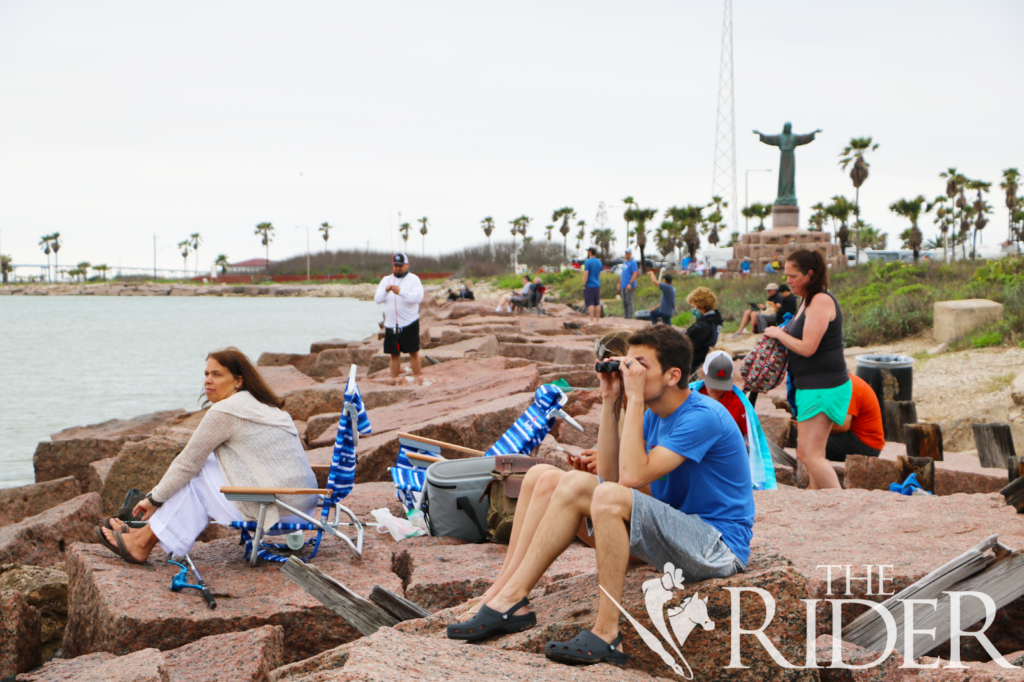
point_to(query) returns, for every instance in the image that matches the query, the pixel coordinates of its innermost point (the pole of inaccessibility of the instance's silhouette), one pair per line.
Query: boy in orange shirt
(861, 433)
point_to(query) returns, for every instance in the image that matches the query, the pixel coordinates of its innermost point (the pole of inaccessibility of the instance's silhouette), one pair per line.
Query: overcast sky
(124, 120)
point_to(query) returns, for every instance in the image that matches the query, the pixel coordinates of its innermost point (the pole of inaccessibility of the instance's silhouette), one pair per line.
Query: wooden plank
(896, 413)
(397, 605)
(360, 613)
(924, 467)
(274, 491)
(923, 440)
(1014, 494)
(1015, 468)
(994, 443)
(457, 448)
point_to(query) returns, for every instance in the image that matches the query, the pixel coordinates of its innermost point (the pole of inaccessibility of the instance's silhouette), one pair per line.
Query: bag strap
(463, 504)
(507, 465)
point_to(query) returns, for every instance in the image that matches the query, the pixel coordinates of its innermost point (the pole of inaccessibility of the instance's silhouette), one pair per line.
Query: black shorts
(591, 296)
(845, 443)
(406, 341)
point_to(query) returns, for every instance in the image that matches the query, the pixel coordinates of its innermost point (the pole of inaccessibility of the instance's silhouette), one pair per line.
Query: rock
(182, 427)
(302, 428)
(775, 422)
(785, 475)
(40, 540)
(45, 590)
(953, 319)
(147, 665)
(468, 348)
(286, 378)
(561, 353)
(875, 473)
(143, 425)
(98, 472)
(442, 575)
(889, 669)
(460, 309)
(802, 479)
(66, 669)
(365, 497)
(319, 423)
(581, 379)
(19, 634)
(591, 421)
(335, 362)
(139, 465)
(392, 655)
(304, 403)
(61, 458)
(117, 607)
(938, 350)
(570, 605)
(29, 500)
(1017, 389)
(319, 346)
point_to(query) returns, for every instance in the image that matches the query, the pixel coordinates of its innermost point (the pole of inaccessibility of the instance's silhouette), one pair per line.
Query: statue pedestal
(785, 218)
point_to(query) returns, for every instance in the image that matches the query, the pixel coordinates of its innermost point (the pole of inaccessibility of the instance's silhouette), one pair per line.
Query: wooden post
(923, 440)
(1014, 494)
(896, 413)
(924, 467)
(994, 443)
(1015, 469)
(362, 614)
(398, 606)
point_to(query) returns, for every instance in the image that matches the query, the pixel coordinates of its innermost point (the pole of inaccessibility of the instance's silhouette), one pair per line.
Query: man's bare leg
(395, 364)
(611, 509)
(416, 364)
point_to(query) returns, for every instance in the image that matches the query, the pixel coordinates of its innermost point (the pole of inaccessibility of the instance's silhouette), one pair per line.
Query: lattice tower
(724, 175)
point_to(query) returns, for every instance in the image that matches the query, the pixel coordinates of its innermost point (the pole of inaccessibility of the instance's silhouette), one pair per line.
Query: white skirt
(185, 515)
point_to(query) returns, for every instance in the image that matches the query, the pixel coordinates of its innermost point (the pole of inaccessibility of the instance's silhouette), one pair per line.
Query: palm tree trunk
(565, 247)
(856, 204)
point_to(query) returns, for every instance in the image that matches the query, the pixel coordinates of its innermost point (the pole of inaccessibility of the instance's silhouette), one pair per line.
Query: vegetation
(222, 263)
(5, 267)
(854, 152)
(265, 230)
(325, 229)
(423, 231)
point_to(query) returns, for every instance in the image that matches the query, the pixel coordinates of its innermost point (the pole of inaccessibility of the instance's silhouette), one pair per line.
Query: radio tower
(724, 176)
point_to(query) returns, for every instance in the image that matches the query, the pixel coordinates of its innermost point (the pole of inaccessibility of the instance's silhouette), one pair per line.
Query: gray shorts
(659, 534)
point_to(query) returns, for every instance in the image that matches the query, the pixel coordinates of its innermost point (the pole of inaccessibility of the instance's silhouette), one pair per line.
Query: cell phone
(753, 306)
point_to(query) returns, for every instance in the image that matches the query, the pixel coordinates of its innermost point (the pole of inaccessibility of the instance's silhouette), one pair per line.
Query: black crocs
(586, 649)
(487, 623)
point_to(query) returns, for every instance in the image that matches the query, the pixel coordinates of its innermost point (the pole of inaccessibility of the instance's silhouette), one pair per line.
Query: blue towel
(762, 468)
(908, 486)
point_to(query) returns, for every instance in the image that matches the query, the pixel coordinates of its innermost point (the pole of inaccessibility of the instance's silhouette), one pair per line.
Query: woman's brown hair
(240, 366)
(613, 344)
(806, 261)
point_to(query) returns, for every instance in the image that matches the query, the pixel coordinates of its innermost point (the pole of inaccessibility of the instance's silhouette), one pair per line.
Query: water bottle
(295, 540)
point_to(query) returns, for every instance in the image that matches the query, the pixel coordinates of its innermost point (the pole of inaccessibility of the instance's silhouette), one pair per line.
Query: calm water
(74, 360)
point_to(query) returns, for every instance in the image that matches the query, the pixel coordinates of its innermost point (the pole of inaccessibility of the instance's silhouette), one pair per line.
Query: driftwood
(1014, 494)
(1000, 576)
(780, 457)
(396, 605)
(923, 440)
(896, 413)
(1015, 469)
(994, 443)
(360, 613)
(924, 467)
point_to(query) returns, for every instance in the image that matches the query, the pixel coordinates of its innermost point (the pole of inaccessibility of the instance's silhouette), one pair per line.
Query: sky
(125, 121)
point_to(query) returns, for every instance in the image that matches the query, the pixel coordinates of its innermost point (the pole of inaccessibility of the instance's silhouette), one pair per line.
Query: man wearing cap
(592, 268)
(401, 293)
(774, 300)
(718, 385)
(627, 284)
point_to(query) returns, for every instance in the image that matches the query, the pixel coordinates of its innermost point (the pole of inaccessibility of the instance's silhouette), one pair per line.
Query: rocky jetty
(59, 589)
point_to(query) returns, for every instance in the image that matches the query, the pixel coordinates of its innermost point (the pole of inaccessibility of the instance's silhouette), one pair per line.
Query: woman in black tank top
(816, 363)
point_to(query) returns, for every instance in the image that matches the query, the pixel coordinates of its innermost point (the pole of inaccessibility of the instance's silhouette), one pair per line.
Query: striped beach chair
(340, 479)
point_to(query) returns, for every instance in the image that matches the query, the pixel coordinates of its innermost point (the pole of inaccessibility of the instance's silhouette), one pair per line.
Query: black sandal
(120, 550)
(586, 649)
(487, 623)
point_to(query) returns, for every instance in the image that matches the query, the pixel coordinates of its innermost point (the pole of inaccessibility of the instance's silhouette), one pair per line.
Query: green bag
(504, 488)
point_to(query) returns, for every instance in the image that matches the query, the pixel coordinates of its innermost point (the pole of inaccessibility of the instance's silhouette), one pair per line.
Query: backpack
(506, 483)
(764, 368)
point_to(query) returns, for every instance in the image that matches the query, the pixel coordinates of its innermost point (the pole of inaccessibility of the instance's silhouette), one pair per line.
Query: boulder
(285, 378)
(98, 472)
(147, 665)
(45, 590)
(953, 319)
(139, 465)
(802, 479)
(66, 669)
(120, 608)
(335, 362)
(143, 425)
(182, 427)
(570, 605)
(29, 500)
(580, 379)
(62, 458)
(876, 473)
(304, 403)
(775, 422)
(319, 423)
(1017, 389)
(318, 346)
(19, 634)
(439, 573)
(389, 654)
(591, 421)
(40, 540)
(463, 309)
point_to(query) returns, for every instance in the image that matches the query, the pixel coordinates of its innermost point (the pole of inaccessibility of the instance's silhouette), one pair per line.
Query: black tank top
(826, 368)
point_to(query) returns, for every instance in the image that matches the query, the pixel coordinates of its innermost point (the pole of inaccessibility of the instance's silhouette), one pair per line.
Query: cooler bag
(454, 499)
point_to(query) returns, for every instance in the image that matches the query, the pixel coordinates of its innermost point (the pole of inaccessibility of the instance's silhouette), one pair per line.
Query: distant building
(254, 266)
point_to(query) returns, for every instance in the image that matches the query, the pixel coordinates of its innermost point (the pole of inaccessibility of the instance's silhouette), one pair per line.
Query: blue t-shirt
(593, 268)
(668, 299)
(745, 266)
(686, 262)
(714, 481)
(626, 274)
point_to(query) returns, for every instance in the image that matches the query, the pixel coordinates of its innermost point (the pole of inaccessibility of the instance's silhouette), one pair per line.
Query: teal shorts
(833, 402)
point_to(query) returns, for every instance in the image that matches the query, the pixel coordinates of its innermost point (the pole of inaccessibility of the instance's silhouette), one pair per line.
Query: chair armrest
(233, 489)
(320, 467)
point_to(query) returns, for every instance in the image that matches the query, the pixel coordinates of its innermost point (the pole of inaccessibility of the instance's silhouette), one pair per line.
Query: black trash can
(898, 370)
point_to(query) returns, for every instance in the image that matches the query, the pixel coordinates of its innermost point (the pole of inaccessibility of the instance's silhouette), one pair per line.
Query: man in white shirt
(401, 293)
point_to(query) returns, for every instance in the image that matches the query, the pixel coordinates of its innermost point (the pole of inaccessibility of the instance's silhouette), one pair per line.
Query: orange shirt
(866, 413)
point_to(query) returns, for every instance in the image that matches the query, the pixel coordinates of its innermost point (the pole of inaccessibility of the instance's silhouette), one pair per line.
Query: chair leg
(258, 535)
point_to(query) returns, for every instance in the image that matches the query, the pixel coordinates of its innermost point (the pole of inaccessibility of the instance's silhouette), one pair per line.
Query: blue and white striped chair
(340, 479)
(410, 470)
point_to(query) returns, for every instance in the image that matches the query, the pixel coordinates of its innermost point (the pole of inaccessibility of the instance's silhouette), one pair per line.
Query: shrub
(986, 340)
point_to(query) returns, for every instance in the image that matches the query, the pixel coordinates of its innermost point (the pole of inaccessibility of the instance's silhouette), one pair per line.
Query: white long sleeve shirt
(406, 304)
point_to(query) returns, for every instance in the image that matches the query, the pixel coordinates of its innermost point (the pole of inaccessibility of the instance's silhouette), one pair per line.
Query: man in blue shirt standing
(592, 268)
(664, 311)
(627, 284)
(699, 516)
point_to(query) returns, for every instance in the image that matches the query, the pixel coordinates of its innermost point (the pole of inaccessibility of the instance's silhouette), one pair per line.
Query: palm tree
(603, 240)
(45, 243)
(194, 241)
(955, 185)
(519, 226)
(325, 228)
(760, 211)
(423, 231)
(5, 267)
(184, 246)
(222, 263)
(911, 210)
(870, 238)
(548, 231)
(840, 209)
(265, 230)
(488, 226)
(687, 219)
(713, 223)
(74, 272)
(582, 234)
(629, 203)
(55, 247)
(565, 214)
(102, 269)
(855, 152)
(942, 220)
(817, 220)
(665, 238)
(748, 213)
(1009, 185)
(642, 216)
(981, 209)
(404, 229)
(83, 268)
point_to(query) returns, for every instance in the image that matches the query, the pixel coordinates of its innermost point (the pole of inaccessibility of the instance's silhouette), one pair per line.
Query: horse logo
(683, 619)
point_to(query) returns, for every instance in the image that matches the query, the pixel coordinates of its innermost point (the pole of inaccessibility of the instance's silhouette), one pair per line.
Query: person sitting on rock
(707, 325)
(699, 516)
(666, 308)
(718, 372)
(505, 304)
(254, 443)
(861, 433)
(751, 316)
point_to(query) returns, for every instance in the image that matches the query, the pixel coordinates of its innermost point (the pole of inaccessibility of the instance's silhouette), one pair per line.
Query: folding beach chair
(410, 470)
(340, 479)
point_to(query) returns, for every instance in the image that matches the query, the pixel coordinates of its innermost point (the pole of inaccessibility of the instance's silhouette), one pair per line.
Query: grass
(1000, 382)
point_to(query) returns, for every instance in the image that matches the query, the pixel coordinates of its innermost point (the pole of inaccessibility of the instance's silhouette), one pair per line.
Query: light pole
(746, 192)
(299, 227)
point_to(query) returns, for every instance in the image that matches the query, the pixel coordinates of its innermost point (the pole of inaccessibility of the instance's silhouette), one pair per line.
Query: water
(74, 360)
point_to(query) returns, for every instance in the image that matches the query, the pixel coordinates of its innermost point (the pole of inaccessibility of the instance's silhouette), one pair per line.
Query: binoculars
(610, 366)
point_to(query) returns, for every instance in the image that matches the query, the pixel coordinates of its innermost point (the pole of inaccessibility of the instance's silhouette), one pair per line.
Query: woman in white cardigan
(254, 444)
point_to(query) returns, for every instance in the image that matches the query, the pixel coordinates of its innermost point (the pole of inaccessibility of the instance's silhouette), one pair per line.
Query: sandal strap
(525, 601)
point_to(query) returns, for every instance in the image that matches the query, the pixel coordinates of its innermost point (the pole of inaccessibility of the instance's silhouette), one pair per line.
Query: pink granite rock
(97, 476)
(875, 473)
(303, 362)
(40, 540)
(591, 421)
(71, 457)
(319, 423)
(19, 634)
(336, 362)
(143, 425)
(285, 378)
(45, 590)
(139, 465)
(306, 402)
(66, 669)
(29, 500)
(148, 665)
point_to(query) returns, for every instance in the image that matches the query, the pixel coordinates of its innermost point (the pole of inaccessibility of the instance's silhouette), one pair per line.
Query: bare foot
(118, 524)
(132, 543)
